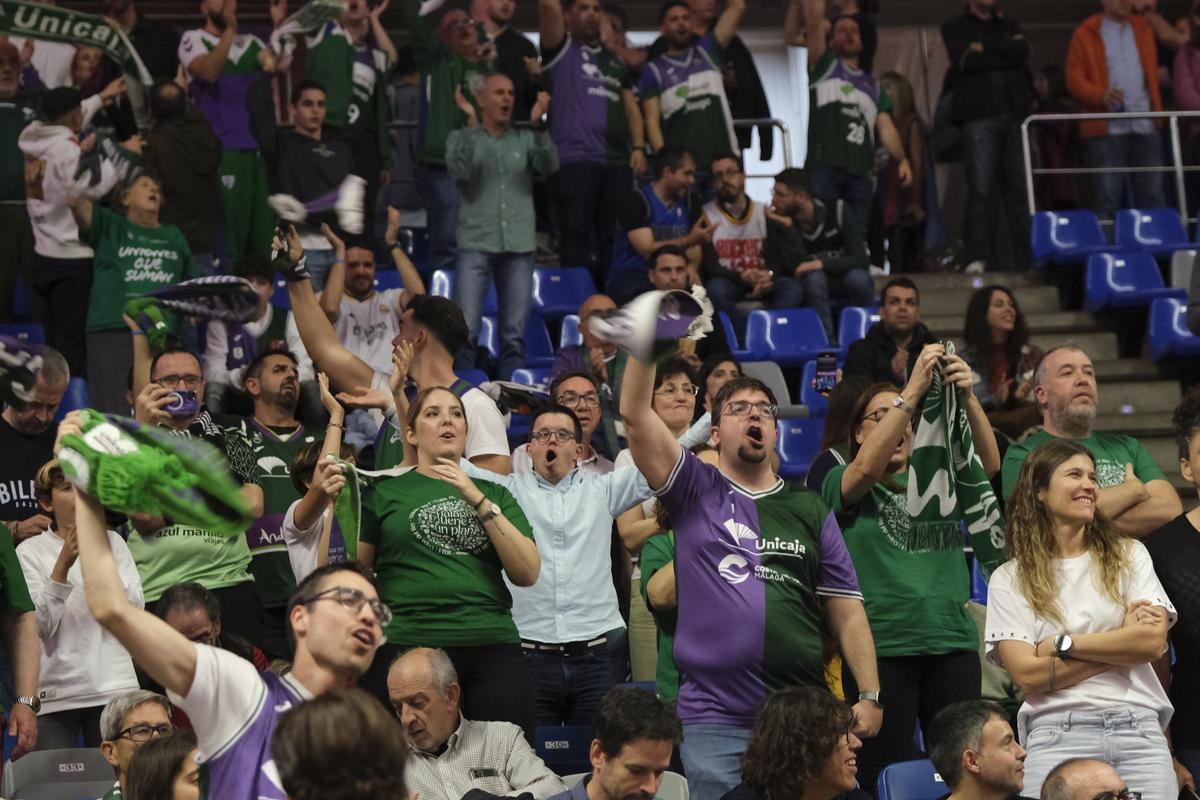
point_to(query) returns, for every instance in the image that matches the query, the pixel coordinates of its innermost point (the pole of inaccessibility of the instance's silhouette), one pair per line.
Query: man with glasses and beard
(762, 571)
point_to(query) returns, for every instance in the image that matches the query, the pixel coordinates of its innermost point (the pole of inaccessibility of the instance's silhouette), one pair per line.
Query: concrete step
(1038, 322)
(1123, 370)
(1140, 425)
(1165, 453)
(957, 280)
(1153, 398)
(1099, 345)
(953, 301)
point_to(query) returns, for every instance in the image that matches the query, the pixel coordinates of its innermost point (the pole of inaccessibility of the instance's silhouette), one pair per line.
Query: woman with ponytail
(1077, 616)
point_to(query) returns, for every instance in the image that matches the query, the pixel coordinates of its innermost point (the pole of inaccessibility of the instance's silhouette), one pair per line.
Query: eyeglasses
(743, 408)
(1124, 794)
(139, 734)
(671, 389)
(570, 399)
(171, 381)
(543, 435)
(354, 600)
(876, 415)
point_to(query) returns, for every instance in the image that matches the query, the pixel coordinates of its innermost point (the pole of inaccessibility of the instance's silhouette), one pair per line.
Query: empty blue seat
(75, 398)
(1168, 331)
(789, 337)
(27, 332)
(1150, 230)
(735, 350)
(21, 310)
(532, 376)
(441, 284)
(569, 335)
(1066, 237)
(853, 325)
(910, 780)
(1121, 280)
(564, 748)
(558, 291)
(979, 587)
(387, 279)
(539, 350)
(798, 442)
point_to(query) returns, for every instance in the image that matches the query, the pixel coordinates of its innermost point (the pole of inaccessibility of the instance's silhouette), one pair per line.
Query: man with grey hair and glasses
(1086, 779)
(451, 755)
(127, 723)
(1134, 493)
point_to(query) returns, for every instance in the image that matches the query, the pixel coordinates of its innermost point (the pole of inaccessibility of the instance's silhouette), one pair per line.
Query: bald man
(593, 355)
(1083, 779)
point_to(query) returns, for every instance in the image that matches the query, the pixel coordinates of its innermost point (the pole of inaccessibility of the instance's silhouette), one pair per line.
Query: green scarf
(134, 469)
(347, 509)
(946, 479)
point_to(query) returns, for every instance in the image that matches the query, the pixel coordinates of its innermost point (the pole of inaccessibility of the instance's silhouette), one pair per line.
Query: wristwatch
(1062, 645)
(34, 703)
(490, 511)
(898, 402)
(874, 697)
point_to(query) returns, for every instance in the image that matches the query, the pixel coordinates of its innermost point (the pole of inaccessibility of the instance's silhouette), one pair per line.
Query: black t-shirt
(23, 457)
(1175, 550)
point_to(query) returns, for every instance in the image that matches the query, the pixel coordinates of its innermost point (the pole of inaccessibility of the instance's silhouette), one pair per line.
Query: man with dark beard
(273, 381)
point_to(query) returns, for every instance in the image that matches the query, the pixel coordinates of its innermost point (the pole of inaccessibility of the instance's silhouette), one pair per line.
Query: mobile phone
(826, 377)
(183, 403)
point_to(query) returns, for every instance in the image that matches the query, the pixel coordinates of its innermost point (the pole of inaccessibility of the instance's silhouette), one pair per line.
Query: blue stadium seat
(279, 298)
(910, 780)
(539, 350)
(560, 291)
(442, 285)
(387, 279)
(798, 441)
(21, 310)
(532, 376)
(76, 397)
(789, 337)
(475, 376)
(1168, 331)
(979, 587)
(489, 337)
(853, 325)
(1122, 280)
(738, 352)
(1150, 230)
(569, 335)
(419, 247)
(564, 748)
(27, 332)
(1067, 237)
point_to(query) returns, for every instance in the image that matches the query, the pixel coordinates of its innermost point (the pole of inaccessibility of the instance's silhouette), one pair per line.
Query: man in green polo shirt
(1133, 490)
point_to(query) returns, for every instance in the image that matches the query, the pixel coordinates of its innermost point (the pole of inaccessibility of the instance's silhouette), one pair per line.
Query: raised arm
(552, 28)
(793, 24)
(814, 29)
(382, 40)
(410, 279)
(958, 373)
(727, 23)
(208, 66)
(655, 451)
(335, 284)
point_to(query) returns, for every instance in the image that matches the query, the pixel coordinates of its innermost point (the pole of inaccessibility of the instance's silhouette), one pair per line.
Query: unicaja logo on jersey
(734, 569)
(739, 532)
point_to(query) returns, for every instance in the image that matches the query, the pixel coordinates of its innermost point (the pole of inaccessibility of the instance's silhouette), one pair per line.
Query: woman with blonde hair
(1077, 616)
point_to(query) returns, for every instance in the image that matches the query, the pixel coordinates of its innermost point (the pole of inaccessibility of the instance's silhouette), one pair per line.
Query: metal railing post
(1177, 160)
(1030, 198)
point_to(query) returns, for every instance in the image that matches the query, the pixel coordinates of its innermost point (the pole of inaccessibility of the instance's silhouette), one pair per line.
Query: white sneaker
(975, 268)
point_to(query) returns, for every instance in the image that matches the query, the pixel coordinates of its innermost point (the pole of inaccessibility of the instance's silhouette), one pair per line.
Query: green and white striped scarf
(347, 509)
(946, 479)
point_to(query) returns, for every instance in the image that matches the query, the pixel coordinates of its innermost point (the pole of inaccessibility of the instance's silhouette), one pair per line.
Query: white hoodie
(51, 160)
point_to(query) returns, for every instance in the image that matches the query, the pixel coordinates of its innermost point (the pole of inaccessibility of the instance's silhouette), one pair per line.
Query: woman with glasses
(441, 545)
(83, 666)
(675, 391)
(914, 579)
(1078, 617)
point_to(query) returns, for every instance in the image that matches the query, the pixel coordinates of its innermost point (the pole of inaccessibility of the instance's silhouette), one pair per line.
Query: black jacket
(186, 155)
(995, 81)
(871, 356)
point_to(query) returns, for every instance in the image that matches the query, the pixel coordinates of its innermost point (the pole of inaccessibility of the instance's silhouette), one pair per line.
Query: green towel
(347, 509)
(149, 317)
(134, 469)
(946, 479)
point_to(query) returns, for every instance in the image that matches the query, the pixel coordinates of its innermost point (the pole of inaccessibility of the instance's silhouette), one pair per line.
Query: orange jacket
(1087, 69)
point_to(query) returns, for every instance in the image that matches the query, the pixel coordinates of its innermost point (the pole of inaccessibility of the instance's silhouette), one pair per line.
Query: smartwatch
(1062, 645)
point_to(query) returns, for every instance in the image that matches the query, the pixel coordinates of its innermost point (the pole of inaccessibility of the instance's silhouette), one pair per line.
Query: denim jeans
(994, 164)
(1128, 738)
(440, 193)
(711, 755)
(815, 288)
(586, 195)
(1111, 153)
(513, 274)
(726, 294)
(835, 183)
(567, 689)
(319, 262)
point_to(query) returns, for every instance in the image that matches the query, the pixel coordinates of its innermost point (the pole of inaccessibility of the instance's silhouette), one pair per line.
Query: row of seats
(1069, 237)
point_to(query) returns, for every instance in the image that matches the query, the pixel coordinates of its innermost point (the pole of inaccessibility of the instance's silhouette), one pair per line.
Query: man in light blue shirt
(565, 618)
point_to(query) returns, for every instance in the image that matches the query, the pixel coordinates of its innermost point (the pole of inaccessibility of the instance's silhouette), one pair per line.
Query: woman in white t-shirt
(1076, 617)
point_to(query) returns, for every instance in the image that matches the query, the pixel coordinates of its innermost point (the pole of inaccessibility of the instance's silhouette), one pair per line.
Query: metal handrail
(1177, 167)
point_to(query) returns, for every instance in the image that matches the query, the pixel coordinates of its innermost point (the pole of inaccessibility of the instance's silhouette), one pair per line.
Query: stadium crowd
(432, 559)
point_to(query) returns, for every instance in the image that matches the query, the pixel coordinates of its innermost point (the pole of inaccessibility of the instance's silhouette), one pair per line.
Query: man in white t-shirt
(435, 329)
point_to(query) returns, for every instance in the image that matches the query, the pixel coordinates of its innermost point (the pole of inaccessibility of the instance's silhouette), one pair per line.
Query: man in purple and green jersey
(762, 571)
(596, 125)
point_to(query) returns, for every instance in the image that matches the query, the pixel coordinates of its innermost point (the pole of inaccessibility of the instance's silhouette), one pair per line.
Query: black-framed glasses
(571, 400)
(561, 435)
(672, 389)
(171, 381)
(742, 408)
(1124, 794)
(354, 600)
(140, 734)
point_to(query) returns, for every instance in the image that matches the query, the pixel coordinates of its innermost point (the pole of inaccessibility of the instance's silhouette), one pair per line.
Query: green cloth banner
(946, 479)
(347, 509)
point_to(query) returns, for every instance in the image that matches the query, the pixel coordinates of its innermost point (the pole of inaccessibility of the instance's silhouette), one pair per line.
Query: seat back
(769, 373)
(1111, 274)
(569, 335)
(910, 780)
(731, 338)
(489, 337)
(441, 284)
(279, 297)
(75, 398)
(979, 586)
(853, 325)
(798, 442)
(532, 376)
(1166, 326)
(786, 336)
(387, 279)
(1062, 232)
(564, 748)
(27, 332)
(66, 774)
(558, 291)
(1149, 229)
(539, 350)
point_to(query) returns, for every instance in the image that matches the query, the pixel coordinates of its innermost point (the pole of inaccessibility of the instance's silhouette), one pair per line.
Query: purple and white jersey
(223, 101)
(234, 708)
(750, 570)
(587, 117)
